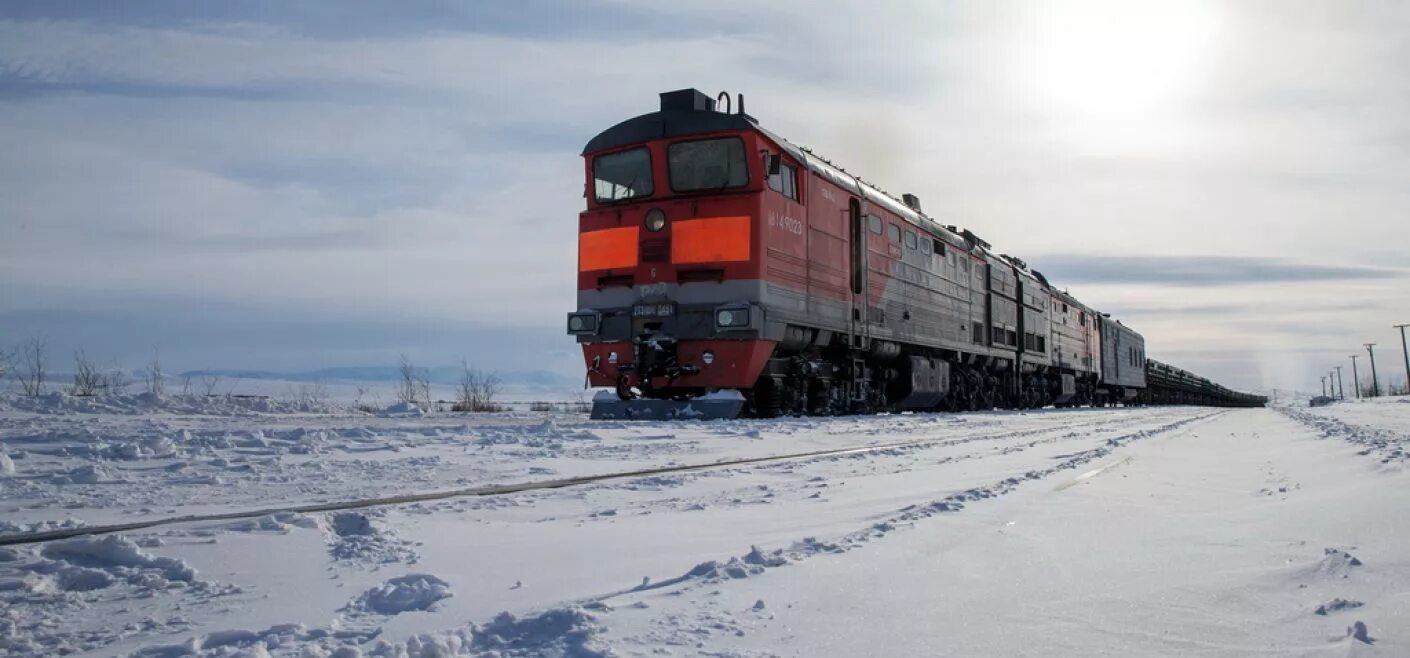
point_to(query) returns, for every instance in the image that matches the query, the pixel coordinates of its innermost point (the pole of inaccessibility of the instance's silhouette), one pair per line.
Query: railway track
(537, 485)
(480, 491)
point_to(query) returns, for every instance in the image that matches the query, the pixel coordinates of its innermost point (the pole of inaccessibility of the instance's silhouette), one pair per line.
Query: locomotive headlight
(655, 220)
(731, 318)
(582, 323)
(708, 357)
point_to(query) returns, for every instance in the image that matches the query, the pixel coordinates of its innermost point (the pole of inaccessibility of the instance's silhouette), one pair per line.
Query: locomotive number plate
(662, 310)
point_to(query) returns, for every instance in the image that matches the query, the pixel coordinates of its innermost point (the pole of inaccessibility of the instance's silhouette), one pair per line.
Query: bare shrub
(477, 389)
(363, 404)
(115, 379)
(7, 362)
(208, 384)
(414, 385)
(186, 384)
(34, 361)
(541, 406)
(87, 379)
(155, 378)
(314, 393)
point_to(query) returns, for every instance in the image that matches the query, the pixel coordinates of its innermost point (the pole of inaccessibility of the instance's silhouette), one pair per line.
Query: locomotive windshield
(624, 175)
(710, 164)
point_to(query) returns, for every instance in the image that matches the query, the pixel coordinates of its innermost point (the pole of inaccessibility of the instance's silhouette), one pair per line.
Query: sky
(307, 184)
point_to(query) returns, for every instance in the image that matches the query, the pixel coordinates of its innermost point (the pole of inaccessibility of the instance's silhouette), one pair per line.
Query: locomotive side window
(786, 181)
(874, 224)
(894, 232)
(940, 248)
(707, 164)
(925, 246)
(910, 239)
(625, 175)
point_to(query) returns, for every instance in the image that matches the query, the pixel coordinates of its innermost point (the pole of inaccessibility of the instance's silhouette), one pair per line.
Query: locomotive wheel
(766, 398)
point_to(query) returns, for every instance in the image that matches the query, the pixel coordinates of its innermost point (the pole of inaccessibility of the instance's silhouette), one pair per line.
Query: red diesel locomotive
(722, 271)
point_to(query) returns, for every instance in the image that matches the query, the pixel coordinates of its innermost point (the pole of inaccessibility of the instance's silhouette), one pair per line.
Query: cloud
(1196, 270)
(420, 165)
(192, 334)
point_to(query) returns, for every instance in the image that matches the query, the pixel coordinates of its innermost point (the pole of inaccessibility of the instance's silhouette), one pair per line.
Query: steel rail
(493, 489)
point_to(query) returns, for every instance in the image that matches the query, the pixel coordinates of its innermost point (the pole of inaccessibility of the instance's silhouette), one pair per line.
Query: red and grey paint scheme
(723, 270)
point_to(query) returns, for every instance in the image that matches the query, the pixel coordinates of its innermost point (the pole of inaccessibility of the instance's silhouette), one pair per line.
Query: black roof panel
(667, 123)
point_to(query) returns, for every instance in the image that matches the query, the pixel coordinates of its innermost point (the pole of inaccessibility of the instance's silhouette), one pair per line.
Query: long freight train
(723, 270)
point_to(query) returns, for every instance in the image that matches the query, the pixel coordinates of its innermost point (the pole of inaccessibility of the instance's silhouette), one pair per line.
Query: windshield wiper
(727, 177)
(629, 186)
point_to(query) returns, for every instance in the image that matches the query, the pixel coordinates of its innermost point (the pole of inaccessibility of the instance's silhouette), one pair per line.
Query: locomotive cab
(668, 252)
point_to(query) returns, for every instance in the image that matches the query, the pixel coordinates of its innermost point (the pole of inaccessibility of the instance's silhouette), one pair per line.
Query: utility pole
(1324, 386)
(1375, 386)
(1341, 386)
(1356, 377)
(1405, 351)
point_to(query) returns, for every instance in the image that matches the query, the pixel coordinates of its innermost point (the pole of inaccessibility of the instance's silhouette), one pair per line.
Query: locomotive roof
(664, 124)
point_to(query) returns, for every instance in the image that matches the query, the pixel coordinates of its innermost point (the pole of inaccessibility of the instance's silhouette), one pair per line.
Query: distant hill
(438, 375)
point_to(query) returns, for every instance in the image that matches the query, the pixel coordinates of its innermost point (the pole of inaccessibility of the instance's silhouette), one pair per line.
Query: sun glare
(1121, 63)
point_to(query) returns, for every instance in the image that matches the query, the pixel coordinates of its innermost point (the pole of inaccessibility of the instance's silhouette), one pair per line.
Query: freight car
(723, 270)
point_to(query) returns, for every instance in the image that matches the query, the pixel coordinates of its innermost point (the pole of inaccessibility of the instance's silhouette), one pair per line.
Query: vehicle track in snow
(1386, 444)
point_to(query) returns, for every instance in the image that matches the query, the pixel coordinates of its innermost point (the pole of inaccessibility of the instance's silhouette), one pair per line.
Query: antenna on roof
(741, 102)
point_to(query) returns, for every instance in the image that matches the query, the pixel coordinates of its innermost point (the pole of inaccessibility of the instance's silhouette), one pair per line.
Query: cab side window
(786, 181)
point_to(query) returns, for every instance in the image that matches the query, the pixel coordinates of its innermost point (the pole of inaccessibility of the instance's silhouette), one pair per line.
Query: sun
(1121, 61)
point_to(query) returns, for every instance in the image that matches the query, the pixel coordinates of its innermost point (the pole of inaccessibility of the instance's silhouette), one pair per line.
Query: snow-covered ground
(1156, 531)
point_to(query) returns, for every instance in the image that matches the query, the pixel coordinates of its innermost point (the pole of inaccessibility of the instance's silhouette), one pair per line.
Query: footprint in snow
(409, 593)
(1358, 632)
(1336, 605)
